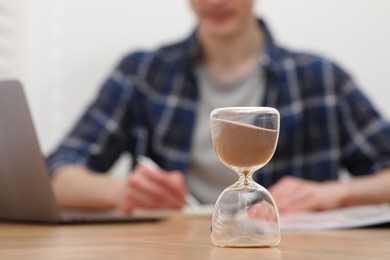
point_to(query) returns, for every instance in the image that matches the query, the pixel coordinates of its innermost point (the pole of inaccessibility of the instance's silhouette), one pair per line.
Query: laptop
(25, 190)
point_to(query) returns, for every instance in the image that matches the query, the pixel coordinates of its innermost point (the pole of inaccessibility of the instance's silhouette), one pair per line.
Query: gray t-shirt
(207, 177)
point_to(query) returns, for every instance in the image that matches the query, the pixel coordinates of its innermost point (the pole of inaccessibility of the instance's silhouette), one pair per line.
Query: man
(158, 104)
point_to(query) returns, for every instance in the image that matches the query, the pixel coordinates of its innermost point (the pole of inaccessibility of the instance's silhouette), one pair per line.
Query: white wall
(69, 46)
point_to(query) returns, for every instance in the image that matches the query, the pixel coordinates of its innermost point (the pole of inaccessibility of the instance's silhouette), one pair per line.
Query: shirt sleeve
(365, 134)
(99, 136)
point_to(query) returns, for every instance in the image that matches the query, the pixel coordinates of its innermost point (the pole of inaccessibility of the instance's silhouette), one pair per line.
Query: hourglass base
(245, 215)
(247, 241)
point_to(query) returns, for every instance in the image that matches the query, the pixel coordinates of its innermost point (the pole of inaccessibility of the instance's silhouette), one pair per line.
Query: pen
(146, 161)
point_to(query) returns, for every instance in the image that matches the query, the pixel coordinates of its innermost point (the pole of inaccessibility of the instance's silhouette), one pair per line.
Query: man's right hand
(150, 188)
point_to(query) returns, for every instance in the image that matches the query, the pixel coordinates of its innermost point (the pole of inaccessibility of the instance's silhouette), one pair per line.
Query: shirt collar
(270, 58)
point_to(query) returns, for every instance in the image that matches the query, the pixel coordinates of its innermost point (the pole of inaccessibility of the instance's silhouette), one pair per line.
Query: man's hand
(150, 188)
(293, 194)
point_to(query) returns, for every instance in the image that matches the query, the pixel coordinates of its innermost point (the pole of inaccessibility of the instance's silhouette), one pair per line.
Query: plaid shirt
(148, 106)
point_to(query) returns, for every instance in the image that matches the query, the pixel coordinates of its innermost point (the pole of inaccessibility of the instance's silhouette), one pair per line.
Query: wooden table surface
(179, 239)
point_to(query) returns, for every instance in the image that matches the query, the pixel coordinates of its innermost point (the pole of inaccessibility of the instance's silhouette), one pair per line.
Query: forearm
(77, 187)
(371, 189)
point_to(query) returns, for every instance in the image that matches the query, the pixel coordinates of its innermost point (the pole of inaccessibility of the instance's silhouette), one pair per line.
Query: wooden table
(179, 239)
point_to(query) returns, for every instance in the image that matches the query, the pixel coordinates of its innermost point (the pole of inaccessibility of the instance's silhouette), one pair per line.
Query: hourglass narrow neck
(245, 176)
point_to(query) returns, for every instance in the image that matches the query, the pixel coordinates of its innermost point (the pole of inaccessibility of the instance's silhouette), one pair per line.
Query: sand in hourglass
(243, 145)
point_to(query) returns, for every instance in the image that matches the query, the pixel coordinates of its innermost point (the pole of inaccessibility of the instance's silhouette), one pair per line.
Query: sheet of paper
(352, 217)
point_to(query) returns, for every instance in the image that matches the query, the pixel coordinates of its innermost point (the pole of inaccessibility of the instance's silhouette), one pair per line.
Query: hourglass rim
(259, 109)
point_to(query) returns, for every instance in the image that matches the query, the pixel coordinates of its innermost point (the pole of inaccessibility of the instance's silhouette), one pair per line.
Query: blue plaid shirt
(148, 106)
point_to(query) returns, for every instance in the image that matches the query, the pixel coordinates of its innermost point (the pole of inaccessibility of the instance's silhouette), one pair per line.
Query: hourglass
(245, 214)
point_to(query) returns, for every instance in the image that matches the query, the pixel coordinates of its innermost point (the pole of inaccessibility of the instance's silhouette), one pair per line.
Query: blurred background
(62, 50)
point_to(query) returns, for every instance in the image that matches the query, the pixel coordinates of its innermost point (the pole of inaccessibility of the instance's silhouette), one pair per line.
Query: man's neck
(231, 57)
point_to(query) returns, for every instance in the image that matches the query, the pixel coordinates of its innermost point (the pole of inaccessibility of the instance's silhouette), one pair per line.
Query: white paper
(352, 217)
